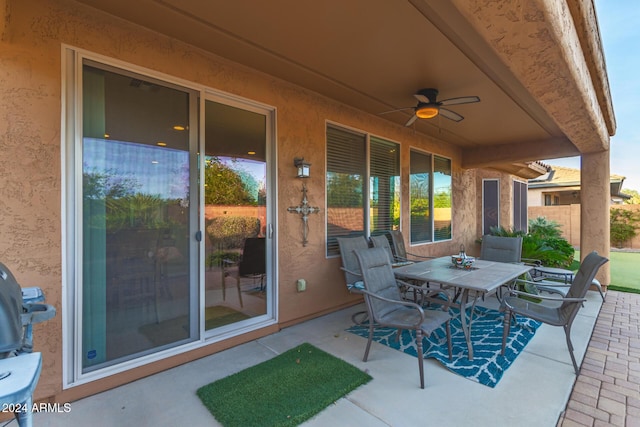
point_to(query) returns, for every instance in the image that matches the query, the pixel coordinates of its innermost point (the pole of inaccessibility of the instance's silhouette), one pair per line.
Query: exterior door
(237, 284)
(138, 248)
(169, 242)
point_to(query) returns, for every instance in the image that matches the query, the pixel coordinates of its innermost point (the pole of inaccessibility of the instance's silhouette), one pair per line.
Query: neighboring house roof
(562, 178)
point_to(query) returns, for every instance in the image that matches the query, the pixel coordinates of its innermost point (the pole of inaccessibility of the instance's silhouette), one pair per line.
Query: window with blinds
(353, 207)
(384, 185)
(430, 194)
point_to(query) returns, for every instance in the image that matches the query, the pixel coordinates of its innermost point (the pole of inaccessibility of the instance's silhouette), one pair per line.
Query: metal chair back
(501, 249)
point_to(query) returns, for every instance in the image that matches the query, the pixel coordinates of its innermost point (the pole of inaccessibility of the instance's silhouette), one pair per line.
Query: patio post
(594, 208)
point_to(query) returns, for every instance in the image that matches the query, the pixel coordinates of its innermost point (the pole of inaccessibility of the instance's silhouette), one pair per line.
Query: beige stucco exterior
(30, 125)
(33, 36)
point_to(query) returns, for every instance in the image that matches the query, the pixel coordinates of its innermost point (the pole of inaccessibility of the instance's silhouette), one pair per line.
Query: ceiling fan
(429, 107)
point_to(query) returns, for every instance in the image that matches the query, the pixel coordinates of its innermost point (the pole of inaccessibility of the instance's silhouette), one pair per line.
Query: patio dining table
(483, 278)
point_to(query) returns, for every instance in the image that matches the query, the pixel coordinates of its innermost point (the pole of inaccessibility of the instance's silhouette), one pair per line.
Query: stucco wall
(534, 197)
(33, 32)
(568, 216)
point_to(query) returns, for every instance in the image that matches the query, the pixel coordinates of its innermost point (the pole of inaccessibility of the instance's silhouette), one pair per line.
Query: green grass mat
(284, 391)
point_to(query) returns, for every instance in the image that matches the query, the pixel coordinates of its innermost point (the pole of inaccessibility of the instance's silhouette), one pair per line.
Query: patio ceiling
(541, 97)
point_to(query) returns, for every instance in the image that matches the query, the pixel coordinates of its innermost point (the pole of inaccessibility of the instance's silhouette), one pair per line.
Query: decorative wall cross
(304, 209)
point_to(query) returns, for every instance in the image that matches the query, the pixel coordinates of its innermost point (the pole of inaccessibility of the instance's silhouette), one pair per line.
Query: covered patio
(534, 391)
(86, 81)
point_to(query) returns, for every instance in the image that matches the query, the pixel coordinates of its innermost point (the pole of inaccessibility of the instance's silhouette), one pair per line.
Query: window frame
(485, 181)
(432, 193)
(331, 249)
(71, 201)
(520, 206)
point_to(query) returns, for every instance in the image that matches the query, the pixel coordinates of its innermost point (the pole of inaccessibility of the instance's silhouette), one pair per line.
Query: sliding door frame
(72, 60)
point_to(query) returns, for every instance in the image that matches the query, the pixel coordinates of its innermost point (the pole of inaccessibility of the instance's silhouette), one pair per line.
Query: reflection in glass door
(138, 157)
(235, 195)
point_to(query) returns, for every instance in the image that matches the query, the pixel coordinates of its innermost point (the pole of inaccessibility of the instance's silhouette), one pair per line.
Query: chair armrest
(532, 262)
(551, 281)
(408, 285)
(538, 286)
(354, 286)
(417, 287)
(408, 304)
(426, 293)
(548, 298)
(544, 283)
(421, 256)
(351, 272)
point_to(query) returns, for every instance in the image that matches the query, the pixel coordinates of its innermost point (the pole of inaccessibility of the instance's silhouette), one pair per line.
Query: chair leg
(420, 356)
(366, 351)
(567, 332)
(598, 286)
(506, 329)
(449, 345)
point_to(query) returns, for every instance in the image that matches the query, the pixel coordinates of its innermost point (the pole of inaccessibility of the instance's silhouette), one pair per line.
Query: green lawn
(625, 275)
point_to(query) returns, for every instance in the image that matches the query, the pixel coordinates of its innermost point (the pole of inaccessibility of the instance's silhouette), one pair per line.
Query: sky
(620, 34)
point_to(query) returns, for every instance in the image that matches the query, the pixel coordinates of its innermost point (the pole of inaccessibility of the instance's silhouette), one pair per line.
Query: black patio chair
(252, 263)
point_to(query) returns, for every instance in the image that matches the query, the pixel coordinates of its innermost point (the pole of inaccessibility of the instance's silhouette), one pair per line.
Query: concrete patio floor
(533, 392)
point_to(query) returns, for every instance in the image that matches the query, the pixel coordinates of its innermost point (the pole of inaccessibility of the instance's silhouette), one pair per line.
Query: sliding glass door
(168, 230)
(235, 204)
(139, 290)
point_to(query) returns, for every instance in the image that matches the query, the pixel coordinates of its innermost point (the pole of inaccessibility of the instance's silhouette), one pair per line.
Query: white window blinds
(363, 185)
(384, 185)
(346, 168)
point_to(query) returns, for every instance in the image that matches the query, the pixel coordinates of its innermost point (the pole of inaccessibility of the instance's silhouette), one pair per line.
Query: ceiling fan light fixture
(427, 111)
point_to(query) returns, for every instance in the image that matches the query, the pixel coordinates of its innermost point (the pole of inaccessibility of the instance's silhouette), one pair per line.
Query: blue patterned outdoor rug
(487, 366)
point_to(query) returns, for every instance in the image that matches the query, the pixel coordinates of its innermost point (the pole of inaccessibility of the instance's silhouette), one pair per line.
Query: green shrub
(542, 243)
(544, 228)
(554, 252)
(623, 226)
(229, 232)
(215, 258)
(500, 231)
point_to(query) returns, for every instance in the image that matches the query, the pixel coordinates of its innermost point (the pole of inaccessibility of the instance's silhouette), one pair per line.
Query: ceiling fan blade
(451, 115)
(421, 98)
(411, 120)
(396, 110)
(461, 100)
